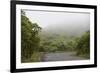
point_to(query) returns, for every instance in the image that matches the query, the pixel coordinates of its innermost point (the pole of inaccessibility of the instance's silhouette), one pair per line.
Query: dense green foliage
(55, 43)
(29, 37)
(83, 45)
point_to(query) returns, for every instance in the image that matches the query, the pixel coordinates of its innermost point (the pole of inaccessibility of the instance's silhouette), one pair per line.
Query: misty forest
(55, 42)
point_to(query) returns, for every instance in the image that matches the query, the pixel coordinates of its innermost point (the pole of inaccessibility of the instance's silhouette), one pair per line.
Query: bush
(83, 45)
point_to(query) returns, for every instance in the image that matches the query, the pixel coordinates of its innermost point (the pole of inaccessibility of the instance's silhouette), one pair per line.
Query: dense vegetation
(60, 43)
(35, 43)
(29, 37)
(83, 45)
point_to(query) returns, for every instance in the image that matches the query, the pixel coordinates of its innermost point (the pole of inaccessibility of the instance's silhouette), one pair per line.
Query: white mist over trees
(69, 23)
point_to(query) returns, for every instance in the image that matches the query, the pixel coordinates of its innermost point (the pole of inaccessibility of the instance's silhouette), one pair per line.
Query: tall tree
(29, 37)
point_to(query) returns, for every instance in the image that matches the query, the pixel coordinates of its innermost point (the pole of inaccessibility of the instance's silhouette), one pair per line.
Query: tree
(83, 45)
(29, 37)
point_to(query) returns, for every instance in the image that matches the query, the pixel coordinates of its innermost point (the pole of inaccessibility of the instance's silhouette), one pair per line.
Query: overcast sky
(61, 21)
